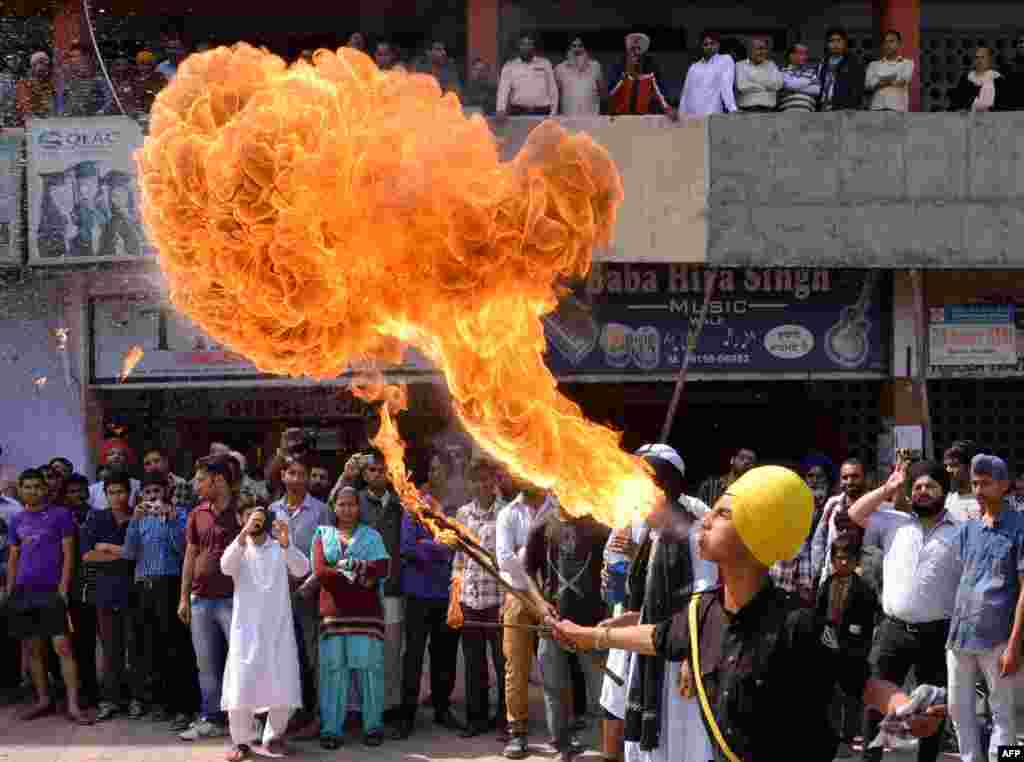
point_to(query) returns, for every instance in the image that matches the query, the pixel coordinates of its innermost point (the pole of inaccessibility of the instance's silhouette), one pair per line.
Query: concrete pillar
(903, 16)
(482, 32)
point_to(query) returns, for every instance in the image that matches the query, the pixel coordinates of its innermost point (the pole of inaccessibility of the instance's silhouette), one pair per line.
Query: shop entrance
(780, 420)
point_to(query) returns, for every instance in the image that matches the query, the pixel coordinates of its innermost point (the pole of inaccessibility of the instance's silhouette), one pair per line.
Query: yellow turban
(771, 508)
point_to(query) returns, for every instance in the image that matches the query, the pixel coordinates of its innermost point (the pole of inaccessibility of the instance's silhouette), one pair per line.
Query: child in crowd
(849, 606)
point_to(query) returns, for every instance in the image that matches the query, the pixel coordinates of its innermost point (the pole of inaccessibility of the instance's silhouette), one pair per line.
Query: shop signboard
(83, 203)
(973, 335)
(12, 174)
(175, 351)
(634, 319)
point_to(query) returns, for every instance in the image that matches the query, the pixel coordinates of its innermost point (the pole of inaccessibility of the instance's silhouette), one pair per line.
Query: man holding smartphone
(156, 542)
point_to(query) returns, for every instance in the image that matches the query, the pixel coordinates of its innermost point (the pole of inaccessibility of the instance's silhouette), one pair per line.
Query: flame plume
(319, 217)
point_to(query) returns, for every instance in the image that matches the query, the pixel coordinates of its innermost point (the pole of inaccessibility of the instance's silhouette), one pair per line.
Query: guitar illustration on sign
(847, 342)
(572, 330)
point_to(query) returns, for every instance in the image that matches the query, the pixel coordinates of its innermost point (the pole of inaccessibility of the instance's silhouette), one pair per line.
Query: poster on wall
(82, 194)
(973, 334)
(634, 319)
(12, 168)
(174, 351)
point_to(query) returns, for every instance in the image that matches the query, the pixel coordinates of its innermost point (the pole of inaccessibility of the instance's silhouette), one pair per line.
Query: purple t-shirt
(39, 534)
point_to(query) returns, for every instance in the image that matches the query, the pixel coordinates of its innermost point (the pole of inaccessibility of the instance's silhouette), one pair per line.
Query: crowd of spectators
(155, 569)
(722, 78)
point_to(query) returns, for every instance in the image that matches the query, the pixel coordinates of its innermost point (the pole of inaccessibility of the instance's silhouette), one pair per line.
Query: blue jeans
(211, 628)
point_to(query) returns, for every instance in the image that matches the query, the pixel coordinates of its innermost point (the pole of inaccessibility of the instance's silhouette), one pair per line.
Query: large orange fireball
(316, 217)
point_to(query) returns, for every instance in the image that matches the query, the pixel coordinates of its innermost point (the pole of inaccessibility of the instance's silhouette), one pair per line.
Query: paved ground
(52, 739)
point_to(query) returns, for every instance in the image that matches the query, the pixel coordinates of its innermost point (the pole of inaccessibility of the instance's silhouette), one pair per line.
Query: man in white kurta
(709, 87)
(683, 737)
(262, 672)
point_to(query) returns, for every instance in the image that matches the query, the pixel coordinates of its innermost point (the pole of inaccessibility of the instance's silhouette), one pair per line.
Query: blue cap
(990, 465)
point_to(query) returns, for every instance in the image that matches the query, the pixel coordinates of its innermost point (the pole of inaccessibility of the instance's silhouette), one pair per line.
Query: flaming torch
(371, 386)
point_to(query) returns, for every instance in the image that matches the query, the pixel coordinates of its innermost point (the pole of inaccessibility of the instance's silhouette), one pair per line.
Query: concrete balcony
(854, 189)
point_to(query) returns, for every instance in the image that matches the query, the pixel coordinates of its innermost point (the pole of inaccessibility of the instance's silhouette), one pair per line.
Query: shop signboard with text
(634, 319)
(973, 335)
(175, 351)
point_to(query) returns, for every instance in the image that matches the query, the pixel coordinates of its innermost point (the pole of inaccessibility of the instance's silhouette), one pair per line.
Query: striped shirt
(800, 89)
(156, 545)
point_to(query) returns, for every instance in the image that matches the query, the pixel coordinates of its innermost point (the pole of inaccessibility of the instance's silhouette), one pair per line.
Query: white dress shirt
(920, 570)
(708, 88)
(757, 85)
(893, 97)
(514, 522)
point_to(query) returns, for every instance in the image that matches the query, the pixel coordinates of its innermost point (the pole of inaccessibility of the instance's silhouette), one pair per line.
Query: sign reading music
(636, 318)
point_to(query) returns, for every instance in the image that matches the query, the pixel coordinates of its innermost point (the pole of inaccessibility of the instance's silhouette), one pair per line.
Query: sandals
(238, 753)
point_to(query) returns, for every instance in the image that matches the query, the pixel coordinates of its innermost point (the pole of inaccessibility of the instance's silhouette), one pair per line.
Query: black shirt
(114, 579)
(766, 668)
(568, 555)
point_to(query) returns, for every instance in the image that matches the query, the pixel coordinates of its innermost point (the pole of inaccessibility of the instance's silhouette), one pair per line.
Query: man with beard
(835, 517)
(635, 86)
(921, 572)
(319, 482)
(960, 501)
(262, 671)
(709, 84)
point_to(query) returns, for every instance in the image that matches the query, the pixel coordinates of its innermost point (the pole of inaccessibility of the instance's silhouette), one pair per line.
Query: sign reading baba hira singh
(635, 318)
